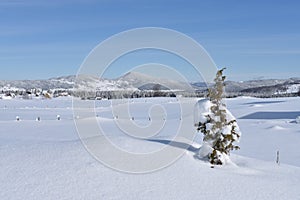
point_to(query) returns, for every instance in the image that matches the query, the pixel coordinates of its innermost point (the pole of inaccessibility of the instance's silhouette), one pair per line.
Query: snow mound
(256, 105)
(276, 127)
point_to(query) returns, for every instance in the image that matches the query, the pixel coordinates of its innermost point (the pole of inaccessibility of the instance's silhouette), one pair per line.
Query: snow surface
(46, 160)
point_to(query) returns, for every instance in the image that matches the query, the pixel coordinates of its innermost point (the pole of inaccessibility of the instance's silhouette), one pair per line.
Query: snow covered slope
(131, 80)
(135, 80)
(46, 160)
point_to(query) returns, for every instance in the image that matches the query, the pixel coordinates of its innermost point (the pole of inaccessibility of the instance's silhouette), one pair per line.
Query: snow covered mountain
(135, 81)
(146, 82)
(260, 88)
(265, 87)
(132, 80)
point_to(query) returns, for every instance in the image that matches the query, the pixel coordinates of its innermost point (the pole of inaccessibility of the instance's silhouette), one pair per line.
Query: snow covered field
(46, 160)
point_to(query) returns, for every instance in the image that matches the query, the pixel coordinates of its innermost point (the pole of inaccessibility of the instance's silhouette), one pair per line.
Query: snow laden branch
(219, 127)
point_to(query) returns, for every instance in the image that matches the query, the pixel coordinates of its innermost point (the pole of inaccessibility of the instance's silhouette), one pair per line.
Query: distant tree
(219, 128)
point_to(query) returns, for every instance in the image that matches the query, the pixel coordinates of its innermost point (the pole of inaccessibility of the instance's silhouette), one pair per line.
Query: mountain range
(133, 81)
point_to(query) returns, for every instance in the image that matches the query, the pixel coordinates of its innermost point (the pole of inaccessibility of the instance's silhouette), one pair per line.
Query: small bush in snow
(218, 126)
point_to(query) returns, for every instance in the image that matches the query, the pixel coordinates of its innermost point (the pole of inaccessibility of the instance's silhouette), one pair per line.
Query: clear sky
(253, 39)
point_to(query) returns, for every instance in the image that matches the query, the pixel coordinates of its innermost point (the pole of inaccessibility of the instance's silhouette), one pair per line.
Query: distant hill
(135, 81)
(266, 87)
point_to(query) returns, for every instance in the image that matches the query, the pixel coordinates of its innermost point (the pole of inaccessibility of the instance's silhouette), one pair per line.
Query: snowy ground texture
(46, 160)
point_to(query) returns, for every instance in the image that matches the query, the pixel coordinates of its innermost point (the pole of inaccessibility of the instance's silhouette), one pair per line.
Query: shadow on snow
(272, 115)
(262, 102)
(180, 145)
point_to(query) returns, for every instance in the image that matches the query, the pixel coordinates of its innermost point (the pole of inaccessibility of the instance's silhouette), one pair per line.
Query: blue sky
(253, 39)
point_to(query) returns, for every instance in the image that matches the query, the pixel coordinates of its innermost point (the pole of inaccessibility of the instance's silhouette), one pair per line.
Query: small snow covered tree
(219, 127)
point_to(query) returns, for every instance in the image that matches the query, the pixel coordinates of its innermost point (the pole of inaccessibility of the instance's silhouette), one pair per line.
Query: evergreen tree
(220, 130)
